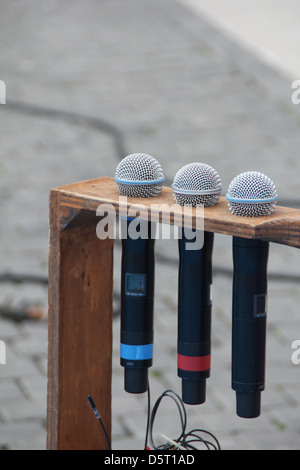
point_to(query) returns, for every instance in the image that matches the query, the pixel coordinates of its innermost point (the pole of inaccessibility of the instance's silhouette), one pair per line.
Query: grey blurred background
(189, 80)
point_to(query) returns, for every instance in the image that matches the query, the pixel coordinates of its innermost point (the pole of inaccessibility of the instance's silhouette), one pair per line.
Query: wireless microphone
(195, 184)
(137, 296)
(137, 175)
(250, 194)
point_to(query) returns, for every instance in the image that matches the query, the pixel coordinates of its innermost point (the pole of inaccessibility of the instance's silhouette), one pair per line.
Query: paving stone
(26, 435)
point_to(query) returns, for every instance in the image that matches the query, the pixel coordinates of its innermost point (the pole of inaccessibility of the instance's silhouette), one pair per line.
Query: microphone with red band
(195, 184)
(193, 363)
(194, 318)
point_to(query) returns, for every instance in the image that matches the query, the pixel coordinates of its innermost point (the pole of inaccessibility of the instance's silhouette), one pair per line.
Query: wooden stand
(81, 290)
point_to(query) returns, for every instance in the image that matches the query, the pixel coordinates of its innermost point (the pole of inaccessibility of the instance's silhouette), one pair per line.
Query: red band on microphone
(193, 363)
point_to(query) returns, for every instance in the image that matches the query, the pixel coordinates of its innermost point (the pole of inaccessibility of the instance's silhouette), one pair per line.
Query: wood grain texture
(283, 226)
(79, 330)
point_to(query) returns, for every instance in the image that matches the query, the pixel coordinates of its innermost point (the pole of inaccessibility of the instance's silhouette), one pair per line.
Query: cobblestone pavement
(169, 84)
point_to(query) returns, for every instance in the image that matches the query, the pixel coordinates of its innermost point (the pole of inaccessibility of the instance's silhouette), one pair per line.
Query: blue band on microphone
(251, 201)
(136, 352)
(118, 180)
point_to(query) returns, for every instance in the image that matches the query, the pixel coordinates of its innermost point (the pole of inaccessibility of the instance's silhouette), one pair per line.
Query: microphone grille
(252, 194)
(139, 175)
(197, 184)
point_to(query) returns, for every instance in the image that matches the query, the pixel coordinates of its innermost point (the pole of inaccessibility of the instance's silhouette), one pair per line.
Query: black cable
(148, 418)
(185, 439)
(93, 406)
(198, 438)
(182, 414)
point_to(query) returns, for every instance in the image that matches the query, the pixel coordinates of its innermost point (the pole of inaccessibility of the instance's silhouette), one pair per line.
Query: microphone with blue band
(136, 352)
(250, 194)
(195, 184)
(139, 183)
(137, 175)
(137, 297)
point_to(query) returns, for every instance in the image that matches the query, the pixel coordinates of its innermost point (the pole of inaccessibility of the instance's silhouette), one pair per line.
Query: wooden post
(80, 329)
(80, 297)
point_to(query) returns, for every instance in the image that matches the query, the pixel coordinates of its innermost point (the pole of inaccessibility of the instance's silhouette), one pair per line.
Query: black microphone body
(249, 316)
(137, 298)
(194, 318)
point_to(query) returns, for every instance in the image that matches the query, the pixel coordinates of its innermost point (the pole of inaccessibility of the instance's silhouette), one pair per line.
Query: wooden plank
(80, 329)
(283, 226)
(53, 323)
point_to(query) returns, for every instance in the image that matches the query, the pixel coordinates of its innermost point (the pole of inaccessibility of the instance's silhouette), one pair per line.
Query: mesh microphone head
(197, 184)
(251, 194)
(139, 175)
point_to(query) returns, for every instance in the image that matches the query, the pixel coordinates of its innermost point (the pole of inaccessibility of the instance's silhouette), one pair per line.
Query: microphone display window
(135, 285)
(209, 294)
(260, 305)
